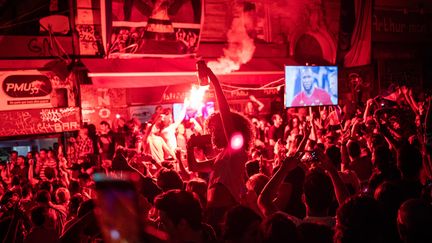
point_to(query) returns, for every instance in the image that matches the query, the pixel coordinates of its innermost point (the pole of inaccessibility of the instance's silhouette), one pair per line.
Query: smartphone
(314, 156)
(117, 208)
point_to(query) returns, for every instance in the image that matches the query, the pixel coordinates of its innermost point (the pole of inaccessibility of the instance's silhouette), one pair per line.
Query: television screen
(311, 86)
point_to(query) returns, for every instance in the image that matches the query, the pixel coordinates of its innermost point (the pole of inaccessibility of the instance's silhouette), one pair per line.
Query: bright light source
(118, 116)
(196, 97)
(115, 235)
(237, 141)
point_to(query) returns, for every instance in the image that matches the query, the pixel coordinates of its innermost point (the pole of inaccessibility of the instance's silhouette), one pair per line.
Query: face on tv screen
(311, 86)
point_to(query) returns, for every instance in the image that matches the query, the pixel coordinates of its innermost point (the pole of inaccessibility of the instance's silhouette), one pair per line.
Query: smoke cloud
(240, 48)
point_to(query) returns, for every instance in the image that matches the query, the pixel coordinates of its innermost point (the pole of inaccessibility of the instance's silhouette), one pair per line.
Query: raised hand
(369, 102)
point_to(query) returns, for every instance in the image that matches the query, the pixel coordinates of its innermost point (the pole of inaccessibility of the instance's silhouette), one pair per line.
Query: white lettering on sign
(104, 113)
(104, 99)
(32, 87)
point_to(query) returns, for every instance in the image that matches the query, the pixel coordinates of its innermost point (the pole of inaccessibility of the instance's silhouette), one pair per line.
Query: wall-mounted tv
(311, 86)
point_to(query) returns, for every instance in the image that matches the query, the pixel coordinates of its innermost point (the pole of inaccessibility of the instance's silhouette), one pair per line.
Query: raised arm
(312, 126)
(369, 104)
(339, 187)
(182, 170)
(427, 144)
(269, 193)
(256, 101)
(224, 108)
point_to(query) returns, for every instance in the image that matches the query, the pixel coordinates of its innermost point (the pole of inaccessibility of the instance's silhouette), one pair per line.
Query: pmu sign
(25, 89)
(27, 86)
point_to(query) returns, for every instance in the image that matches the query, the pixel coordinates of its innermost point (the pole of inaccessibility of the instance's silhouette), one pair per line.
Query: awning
(150, 72)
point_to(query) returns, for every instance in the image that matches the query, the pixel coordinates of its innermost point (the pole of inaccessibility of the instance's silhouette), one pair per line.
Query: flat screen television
(311, 86)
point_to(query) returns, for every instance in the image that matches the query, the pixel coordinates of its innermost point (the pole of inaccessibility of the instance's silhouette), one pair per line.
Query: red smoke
(240, 48)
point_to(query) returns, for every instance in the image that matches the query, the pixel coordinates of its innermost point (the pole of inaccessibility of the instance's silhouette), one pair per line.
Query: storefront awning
(151, 72)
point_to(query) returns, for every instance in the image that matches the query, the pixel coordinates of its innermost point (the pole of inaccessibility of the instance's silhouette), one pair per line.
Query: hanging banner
(177, 93)
(152, 28)
(39, 121)
(32, 89)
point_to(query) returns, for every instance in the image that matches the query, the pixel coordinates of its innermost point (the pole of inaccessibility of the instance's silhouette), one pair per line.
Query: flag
(359, 53)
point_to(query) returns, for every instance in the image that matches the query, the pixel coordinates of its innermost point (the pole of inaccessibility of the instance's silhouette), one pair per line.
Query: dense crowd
(353, 173)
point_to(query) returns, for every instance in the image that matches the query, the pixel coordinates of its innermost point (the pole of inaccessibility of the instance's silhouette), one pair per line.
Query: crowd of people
(352, 173)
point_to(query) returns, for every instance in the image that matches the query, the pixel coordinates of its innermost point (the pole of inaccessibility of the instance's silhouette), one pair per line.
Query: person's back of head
(257, 183)
(390, 196)
(86, 207)
(241, 124)
(43, 197)
(378, 140)
(319, 193)
(74, 187)
(334, 154)
(74, 204)
(169, 179)
(148, 188)
(358, 220)
(46, 185)
(278, 227)
(382, 158)
(415, 221)
(199, 187)
(241, 224)
(84, 179)
(39, 216)
(62, 195)
(353, 148)
(409, 162)
(252, 167)
(179, 207)
(314, 233)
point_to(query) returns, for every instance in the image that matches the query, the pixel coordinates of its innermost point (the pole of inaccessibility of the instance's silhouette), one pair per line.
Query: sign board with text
(39, 121)
(397, 26)
(33, 89)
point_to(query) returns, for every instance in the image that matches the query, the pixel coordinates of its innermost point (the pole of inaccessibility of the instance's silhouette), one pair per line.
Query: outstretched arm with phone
(224, 108)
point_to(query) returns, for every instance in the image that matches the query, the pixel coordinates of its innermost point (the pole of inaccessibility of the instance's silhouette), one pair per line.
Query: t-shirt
(229, 170)
(106, 143)
(362, 167)
(318, 97)
(49, 163)
(155, 145)
(276, 133)
(169, 136)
